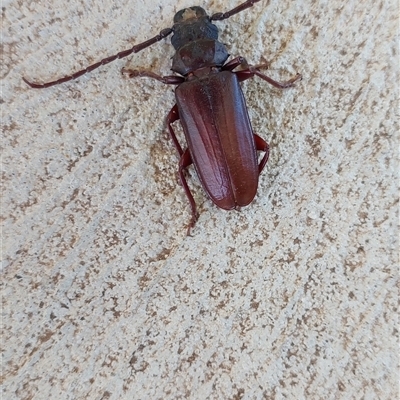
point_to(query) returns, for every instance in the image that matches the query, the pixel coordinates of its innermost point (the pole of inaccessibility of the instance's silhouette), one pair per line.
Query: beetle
(210, 106)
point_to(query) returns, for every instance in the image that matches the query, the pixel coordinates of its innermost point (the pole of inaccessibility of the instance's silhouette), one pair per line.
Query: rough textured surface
(104, 295)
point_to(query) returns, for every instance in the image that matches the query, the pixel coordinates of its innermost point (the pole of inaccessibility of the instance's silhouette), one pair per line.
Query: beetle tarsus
(192, 223)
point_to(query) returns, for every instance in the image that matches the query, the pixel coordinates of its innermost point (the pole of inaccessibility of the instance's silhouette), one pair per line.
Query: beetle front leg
(235, 62)
(279, 85)
(252, 70)
(249, 71)
(184, 162)
(169, 79)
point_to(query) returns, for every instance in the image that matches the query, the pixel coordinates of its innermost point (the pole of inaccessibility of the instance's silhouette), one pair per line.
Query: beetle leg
(262, 145)
(235, 62)
(279, 85)
(173, 116)
(252, 70)
(249, 71)
(169, 79)
(184, 162)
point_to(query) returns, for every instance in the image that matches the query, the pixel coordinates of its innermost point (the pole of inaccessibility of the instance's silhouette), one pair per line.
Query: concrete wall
(104, 295)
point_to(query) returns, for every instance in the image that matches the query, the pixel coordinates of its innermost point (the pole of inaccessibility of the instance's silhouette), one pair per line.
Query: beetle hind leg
(184, 162)
(262, 145)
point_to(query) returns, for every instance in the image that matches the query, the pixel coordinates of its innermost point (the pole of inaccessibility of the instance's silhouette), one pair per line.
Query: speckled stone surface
(104, 295)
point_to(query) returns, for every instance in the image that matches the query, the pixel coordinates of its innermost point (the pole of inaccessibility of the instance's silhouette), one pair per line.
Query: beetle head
(194, 12)
(191, 24)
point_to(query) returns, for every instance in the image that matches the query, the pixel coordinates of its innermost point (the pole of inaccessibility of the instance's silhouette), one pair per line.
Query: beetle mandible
(210, 106)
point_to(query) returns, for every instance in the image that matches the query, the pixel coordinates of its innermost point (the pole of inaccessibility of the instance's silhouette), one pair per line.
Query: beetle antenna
(135, 49)
(238, 9)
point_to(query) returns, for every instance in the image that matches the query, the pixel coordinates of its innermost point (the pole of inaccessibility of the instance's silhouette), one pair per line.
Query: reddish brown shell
(220, 138)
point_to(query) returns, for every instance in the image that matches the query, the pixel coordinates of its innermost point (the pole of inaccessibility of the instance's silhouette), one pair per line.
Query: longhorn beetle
(210, 105)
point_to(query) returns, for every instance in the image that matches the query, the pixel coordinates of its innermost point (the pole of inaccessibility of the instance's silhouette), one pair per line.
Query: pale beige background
(104, 295)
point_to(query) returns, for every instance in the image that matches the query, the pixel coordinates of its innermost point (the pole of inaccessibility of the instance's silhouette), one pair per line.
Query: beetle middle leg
(173, 115)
